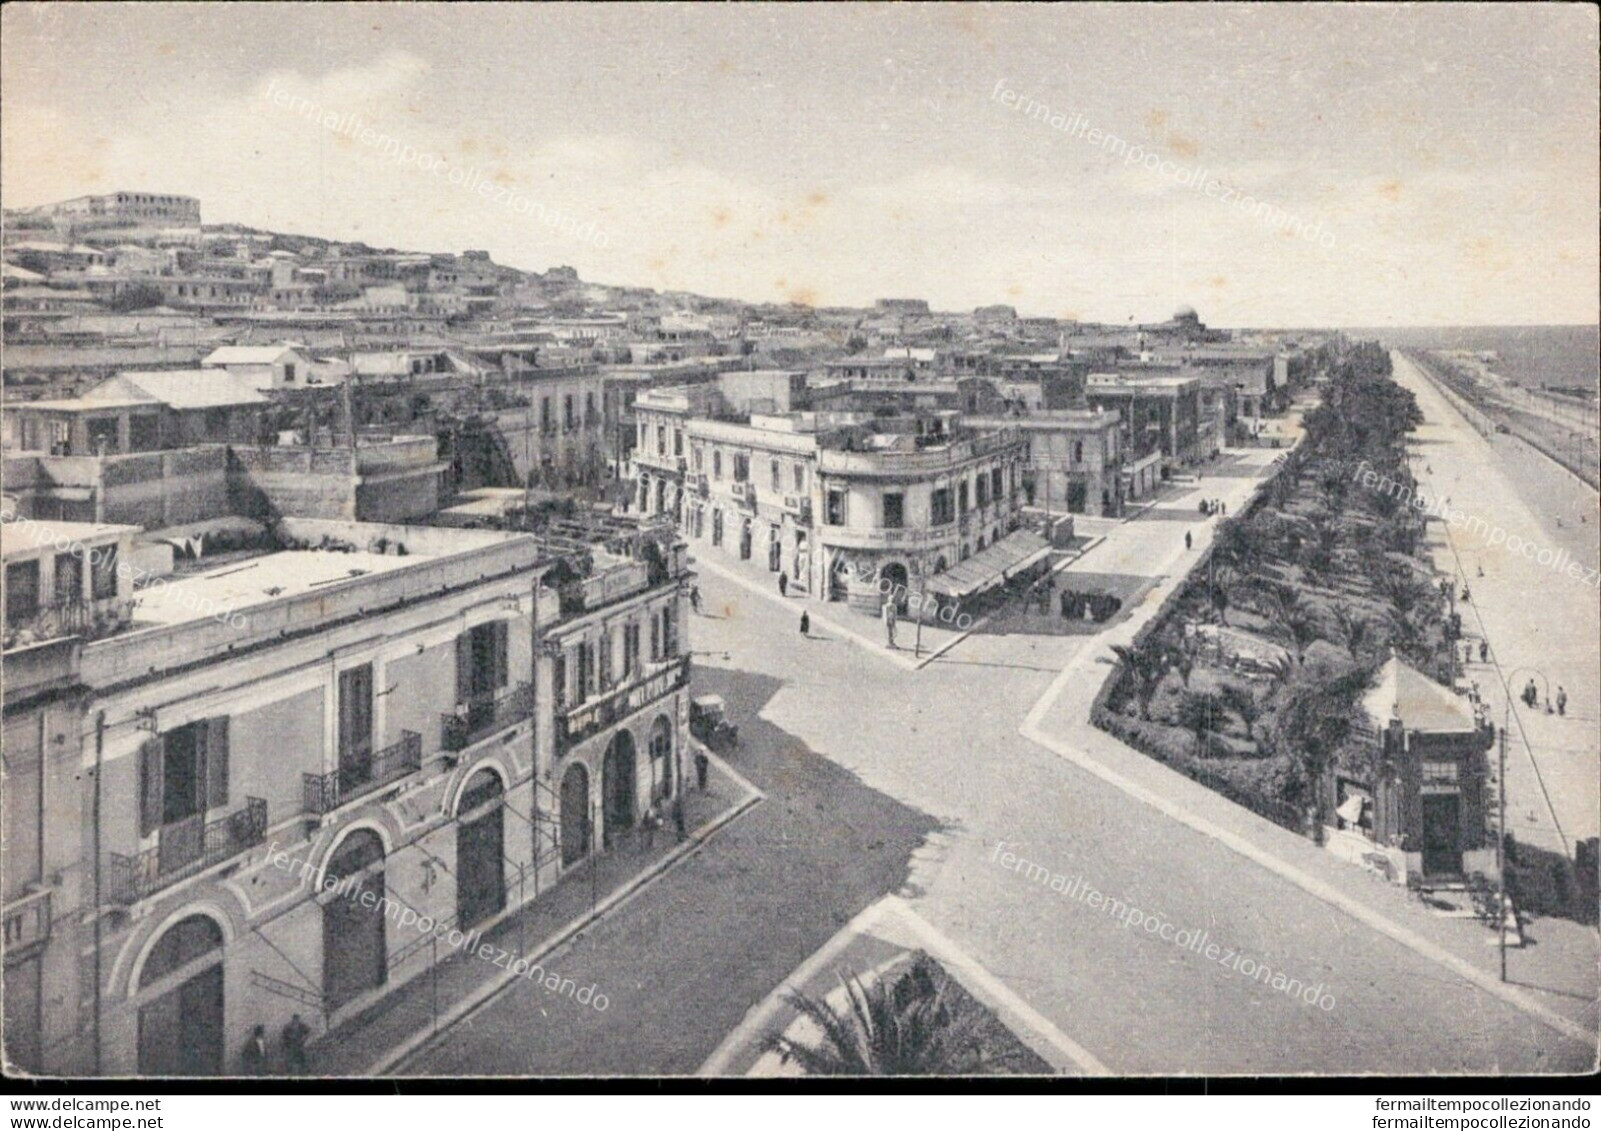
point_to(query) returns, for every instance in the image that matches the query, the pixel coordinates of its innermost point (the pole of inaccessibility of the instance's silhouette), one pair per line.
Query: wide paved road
(683, 963)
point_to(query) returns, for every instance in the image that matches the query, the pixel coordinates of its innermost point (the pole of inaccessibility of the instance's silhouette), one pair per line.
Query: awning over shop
(988, 568)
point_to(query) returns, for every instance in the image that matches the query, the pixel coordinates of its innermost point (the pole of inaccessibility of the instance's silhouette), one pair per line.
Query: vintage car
(707, 722)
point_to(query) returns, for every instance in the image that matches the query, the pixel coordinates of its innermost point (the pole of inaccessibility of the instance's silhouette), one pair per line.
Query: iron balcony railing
(481, 717)
(27, 922)
(326, 792)
(185, 848)
(575, 723)
(89, 619)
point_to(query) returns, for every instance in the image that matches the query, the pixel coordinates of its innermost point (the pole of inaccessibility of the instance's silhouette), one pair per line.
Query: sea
(1568, 356)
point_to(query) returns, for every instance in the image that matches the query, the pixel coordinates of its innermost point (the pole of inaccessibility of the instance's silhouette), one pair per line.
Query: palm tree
(912, 1025)
(1356, 628)
(1244, 703)
(1143, 663)
(1298, 618)
(1198, 713)
(1314, 719)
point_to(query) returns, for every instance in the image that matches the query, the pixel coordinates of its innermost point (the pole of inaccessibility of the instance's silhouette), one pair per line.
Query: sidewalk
(1541, 624)
(374, 1042)
(1565, 965)
(835, 618)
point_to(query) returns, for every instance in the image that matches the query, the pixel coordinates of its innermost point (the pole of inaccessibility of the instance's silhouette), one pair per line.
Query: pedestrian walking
(1222, 507)
(783, 584)
(294, 1042)
(1562, 700)
(889, 621)
(1484, 651)
(806, 623)
(702, 765)
(254, 1058)
(1187, 541)
(678, 819)
(694, 597)
(649, 825)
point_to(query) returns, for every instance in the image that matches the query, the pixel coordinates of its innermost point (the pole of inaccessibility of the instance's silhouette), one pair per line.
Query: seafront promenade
(1540, 623)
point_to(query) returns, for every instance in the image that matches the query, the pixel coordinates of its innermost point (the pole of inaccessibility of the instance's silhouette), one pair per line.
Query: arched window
(183, 942)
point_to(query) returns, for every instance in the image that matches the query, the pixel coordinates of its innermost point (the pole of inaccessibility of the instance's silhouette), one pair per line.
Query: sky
(1427, 165)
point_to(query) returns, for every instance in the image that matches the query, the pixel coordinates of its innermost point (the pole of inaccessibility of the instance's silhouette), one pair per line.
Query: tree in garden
(1298, 618)
(1244, 703)
(1356, 628)
(1142, 662)
(1312, 721)
(1199, 713)
(912, 1025)
(1219, 594)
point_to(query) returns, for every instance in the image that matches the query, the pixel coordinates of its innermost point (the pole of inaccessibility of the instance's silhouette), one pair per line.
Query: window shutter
(217, 762)
(502, 663)
(464, 667)
(150, 756)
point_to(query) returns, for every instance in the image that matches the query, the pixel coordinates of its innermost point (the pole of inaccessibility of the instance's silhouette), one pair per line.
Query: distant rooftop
(19, 537)
(236, 586)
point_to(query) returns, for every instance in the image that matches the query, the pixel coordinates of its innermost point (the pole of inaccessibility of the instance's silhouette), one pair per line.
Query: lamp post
(922, 593)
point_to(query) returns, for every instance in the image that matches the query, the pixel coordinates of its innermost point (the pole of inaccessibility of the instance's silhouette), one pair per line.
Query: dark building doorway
(617, 786)
(181, 1020)
(480, 844)
(354, 947)
(574, 814)
(1442, 834)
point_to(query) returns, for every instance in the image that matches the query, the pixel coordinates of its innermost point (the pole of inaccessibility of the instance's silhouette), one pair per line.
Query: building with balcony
(356, 698)
(847, 505)
(62, 587)
(237, 777)
(620, 690)
(1074, 460)
(1157, 414)
(899, 501)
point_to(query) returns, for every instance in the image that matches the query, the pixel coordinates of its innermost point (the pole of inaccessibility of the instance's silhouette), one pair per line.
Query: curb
(491, 989)
(1031, 730)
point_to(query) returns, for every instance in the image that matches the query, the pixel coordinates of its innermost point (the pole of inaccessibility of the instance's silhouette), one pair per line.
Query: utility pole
(1500, 842)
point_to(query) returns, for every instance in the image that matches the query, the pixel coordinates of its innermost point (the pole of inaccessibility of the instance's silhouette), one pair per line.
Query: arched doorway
(480, 843)
(180, 1002)
(617, 786)
(892, 584)
(574, 814)
(355, 955)
(661, 758)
